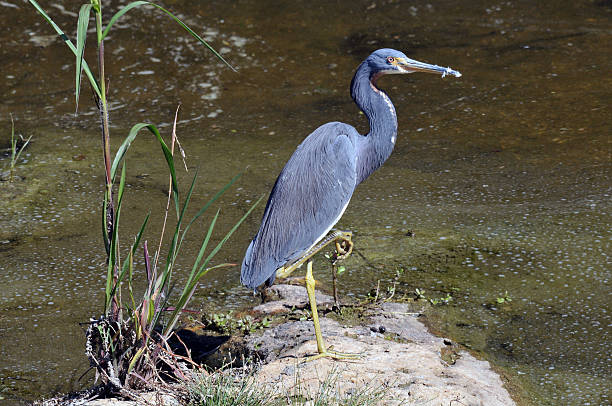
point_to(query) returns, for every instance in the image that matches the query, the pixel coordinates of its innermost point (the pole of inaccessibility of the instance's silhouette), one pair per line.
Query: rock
(407, 361)
(150, 398)
(109, 402)
(286, 297)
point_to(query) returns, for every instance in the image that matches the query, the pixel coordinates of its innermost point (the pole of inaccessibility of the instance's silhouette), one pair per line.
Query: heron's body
(315, 186)
(293, 222)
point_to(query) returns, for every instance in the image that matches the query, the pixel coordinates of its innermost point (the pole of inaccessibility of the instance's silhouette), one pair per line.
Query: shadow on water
(499, 185)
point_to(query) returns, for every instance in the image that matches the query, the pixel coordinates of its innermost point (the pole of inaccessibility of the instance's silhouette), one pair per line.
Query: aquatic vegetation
(504, 299)
(441, 300)
(128, 345)
(17, 148)
(227, 323)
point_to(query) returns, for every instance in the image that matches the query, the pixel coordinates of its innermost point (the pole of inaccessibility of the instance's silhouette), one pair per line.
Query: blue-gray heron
(315, 186)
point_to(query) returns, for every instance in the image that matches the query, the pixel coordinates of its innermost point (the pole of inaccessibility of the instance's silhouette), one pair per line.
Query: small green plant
(328, 393)
(442, 300)
(372, 296)
(16, 149)
(227, 323)
(229, 387)
(504, 299)
(391, 291)
(419, 293)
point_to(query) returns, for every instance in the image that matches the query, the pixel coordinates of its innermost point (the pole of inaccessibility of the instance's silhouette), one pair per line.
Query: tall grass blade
(203, 271)
(164, 280)
(175, 247)
(64, 37)
(104, 212)
(82, 24)
(119, 201)
(13, 140)
(147, 261)
(130, 287)
(182, 24)
(196, 264)
(23, 146)
(206, 206)
(167, 154)
(135, 359)
(190, 287)
(184, 299)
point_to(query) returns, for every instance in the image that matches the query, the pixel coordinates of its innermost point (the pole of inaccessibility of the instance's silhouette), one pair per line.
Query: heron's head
(389, 61)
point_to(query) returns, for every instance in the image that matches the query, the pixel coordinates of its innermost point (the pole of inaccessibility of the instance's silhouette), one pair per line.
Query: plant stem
(109, 208)
(13, 150)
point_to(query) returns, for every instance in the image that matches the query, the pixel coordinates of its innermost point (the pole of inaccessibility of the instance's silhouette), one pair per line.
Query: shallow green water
(502, 177)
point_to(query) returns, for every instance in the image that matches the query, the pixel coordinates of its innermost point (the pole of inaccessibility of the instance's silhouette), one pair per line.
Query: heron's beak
(407, 65)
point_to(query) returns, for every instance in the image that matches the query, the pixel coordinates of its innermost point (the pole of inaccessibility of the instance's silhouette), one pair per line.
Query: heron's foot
(329, 353)
(344, 248)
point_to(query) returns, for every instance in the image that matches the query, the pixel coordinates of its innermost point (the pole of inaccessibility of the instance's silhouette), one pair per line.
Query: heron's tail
(246, 272)
(254, 273)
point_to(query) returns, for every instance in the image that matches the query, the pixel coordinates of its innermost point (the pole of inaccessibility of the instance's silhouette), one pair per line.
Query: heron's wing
(308, 198)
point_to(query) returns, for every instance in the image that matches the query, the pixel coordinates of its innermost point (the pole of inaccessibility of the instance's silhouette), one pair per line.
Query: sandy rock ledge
(398, 353)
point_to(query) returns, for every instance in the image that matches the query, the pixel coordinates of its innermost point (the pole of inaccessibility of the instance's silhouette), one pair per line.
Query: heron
(314, 188)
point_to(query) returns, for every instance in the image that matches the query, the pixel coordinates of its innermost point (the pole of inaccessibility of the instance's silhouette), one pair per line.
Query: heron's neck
(376, 105)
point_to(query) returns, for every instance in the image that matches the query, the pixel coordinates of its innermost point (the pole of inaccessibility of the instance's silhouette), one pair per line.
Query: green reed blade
(80, 47)
(203, 271)
(207, 205)
(190, 287)
(174, 247)
(186, 292)
(135, 358)
(202, 250)
(167, 154)
(64, 37)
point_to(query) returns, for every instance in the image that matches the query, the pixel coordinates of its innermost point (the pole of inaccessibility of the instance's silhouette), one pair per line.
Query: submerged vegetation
(128, 345)
(18, 145)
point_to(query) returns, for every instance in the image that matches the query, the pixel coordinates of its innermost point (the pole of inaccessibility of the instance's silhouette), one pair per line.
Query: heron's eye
(390, 59)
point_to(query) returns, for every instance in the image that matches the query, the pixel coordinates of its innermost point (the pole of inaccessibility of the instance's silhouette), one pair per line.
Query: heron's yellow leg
(323, 352)
(310, 288)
